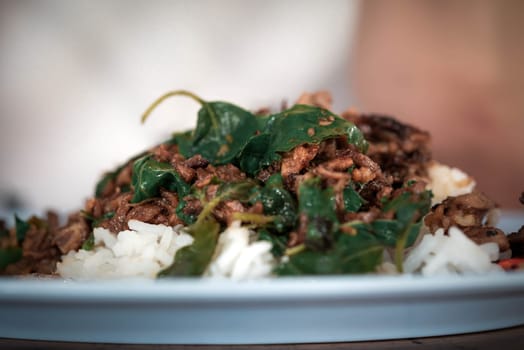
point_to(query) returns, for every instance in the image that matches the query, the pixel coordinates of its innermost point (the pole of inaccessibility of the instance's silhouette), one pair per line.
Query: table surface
(510, 338)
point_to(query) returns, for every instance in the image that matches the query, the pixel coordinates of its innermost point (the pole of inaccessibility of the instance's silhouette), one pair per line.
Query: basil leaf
(319, 207)
(296, 126)
(352, 200)
(9, 256)
(21, 228)
(192, 260)
(222, 131)
(277, 202)
(150, 175)
(351, 254)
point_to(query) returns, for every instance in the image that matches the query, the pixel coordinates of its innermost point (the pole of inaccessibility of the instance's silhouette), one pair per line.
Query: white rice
(239, 258)
(142, 251)
(455, 253)
(146, 249)
(447, 181)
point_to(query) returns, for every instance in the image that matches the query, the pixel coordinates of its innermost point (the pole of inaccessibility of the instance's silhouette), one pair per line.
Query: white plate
(287, 310)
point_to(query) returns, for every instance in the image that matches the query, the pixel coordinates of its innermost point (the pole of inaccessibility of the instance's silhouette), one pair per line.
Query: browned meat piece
(265, 173)
(149, 212)
(120, 206)
(187, 173)
(71, 236)
(197, 161)
(26, 266)
(294, 161)
(225, 173)
(327, 150)
(229, 173)
(401, 150)
(516, 242)
(124, 177)
(204, 176)
(165, 152)
(320, 99)
(192, 207)
(225, 210)
(481, 235)
(365, 216)
(466, 210)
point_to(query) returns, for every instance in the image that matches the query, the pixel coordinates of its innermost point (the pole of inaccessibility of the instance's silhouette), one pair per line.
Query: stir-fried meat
(470, 212)
(225, 173)
(225, 210)
(26, 266)
(187, 173)
(71, 236)
(197, 161)
(516, 242)
(294, 161)
(486, 234)
(320, 99)
(165, 152)
(401, 150)
(463, 211)
(37, 243)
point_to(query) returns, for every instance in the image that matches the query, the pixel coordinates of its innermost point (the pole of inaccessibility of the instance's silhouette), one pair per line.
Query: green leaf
(112, 175)
(278, 203)
(318, 206)
(89, 243)
(357, 254)
(352, 200)
(278, 242)
(21, 228)
(193, 260)
(9, 256)
(150, 175)
(222, 130)
(298, 125)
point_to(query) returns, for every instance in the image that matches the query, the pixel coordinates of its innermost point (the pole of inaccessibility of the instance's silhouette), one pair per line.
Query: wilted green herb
(150, 175)
(291, 128)
(9, 256)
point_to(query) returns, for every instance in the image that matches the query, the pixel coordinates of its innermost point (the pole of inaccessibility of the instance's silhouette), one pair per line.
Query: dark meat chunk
(197, 161)
(466, 210)
(71, 236)
(187, 173)
(225, 210)
(229, 173)
(401, 150)
(265, 173)
(226, 173)
(481, 235)
(165, 152)
(294, 161)
(120, 206)
(26, 266)
(192, 206)
(516, 242)
(149, 212)
(154, 211)
(124, 176)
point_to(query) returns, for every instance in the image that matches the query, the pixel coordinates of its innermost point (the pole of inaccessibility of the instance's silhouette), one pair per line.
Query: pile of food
(245, 195)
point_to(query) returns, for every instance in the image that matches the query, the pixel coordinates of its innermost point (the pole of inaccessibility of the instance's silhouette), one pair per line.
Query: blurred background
(75, 77)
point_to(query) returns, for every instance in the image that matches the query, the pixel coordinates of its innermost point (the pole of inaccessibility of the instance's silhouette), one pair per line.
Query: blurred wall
(75, 77)
(455, 68)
